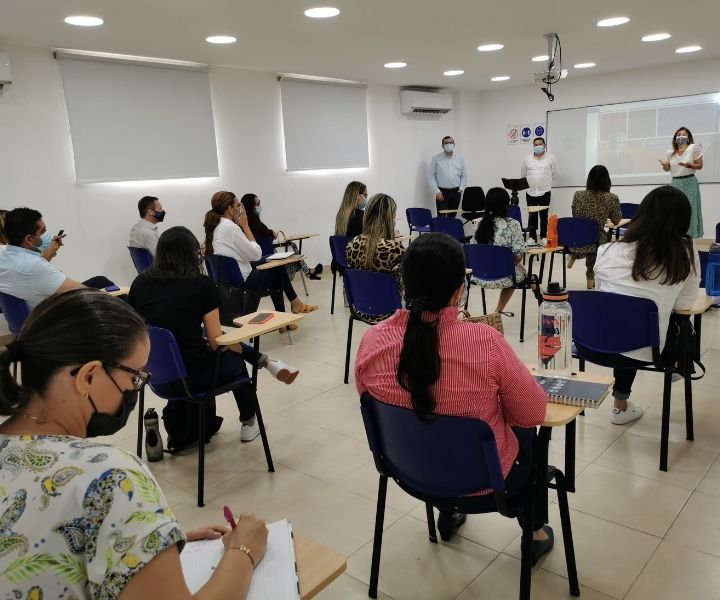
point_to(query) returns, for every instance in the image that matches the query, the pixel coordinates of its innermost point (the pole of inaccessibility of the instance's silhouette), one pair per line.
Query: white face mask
(448, 148)
(681, 140)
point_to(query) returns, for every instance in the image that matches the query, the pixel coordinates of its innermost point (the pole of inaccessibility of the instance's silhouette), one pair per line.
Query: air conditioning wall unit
(435, 103)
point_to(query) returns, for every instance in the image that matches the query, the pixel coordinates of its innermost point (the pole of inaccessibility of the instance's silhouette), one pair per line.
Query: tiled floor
(639, 533)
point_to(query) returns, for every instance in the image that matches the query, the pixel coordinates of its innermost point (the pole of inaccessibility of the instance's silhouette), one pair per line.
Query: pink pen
(229, 516)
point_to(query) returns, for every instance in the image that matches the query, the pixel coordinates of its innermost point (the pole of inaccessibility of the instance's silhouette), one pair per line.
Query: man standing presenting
(447, 177)
(144, 233)
(540, 168)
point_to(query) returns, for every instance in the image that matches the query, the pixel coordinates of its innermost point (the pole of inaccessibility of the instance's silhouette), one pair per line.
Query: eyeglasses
(140, 377)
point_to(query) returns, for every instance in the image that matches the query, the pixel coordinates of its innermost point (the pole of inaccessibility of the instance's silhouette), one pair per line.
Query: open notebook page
(275, 577)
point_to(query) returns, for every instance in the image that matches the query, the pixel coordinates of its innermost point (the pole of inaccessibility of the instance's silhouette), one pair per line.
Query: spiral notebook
(564, 390)
(276, 577)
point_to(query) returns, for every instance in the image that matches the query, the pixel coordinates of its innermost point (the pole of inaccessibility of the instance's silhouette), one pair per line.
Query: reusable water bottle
(555, 332)
(712, 273)
(552, 237)
(153, 439)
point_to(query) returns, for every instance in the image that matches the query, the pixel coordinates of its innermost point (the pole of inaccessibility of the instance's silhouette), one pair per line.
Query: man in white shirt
(447, 177)
(24, 273)
(144, 233)
(540, 168)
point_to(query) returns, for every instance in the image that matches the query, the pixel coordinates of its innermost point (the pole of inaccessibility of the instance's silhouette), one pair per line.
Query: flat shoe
(318, 269)
(542, 547)
(448, 524)
(314, 276)
(305, 308)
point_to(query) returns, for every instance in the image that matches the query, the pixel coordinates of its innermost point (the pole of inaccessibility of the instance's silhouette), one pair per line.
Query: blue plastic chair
(494, 262)
(595, 314)
(418, 219)
(141, 257)
(717, 232)
(473, 203)
(440, 463)
(703, 266)
(166, 365)
(450, 226)
(15, 311)
(515, 213)
(338, 251)
(369, 294)
(573, 232)
(628, 209)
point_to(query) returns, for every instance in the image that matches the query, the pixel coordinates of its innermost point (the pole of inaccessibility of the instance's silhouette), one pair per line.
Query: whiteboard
(131, 121)
(629, 138)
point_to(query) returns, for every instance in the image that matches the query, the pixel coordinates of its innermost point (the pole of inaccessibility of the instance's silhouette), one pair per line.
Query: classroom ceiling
(431, 36)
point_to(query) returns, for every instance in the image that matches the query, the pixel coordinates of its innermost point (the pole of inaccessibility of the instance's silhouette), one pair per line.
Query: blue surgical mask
(538, 149)
(46, 239)
(681, 140)
(448, 147)
(258, 210)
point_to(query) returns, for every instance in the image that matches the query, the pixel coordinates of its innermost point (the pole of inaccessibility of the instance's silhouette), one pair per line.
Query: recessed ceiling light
(490, 47)
(687, 49)
(612, 22)
(541, 58)
(584, 65)
(655, 37)
(81, 21)
(322, 12)
(395, 65)
(453, 73)
(501, 78)
(221, 39)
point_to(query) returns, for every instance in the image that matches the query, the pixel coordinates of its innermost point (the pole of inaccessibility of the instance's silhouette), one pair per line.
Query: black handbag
(231, 303)
(674, 353)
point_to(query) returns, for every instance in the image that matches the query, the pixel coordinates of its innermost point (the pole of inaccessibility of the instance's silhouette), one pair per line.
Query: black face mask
(105, 424)
(160, 215)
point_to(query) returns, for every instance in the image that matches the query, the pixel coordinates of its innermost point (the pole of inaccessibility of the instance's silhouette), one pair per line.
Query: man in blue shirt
(24, 273)
(447, 177)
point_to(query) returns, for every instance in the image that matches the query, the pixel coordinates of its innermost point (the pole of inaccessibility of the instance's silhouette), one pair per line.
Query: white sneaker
(249, 430)
(282, 372)
(622, 417)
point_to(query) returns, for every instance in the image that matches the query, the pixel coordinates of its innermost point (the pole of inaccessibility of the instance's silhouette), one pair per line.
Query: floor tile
(347, 588)
(698, 525)
(710, 484)
(364, 482)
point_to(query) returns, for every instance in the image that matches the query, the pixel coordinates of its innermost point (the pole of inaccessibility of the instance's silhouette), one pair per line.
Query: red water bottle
(552, 237)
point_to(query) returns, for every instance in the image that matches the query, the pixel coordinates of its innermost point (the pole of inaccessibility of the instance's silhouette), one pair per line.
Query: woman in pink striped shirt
(425, 359)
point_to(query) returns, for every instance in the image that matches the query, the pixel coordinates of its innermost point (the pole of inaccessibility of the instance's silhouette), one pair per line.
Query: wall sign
(526, 133)
(513, 134)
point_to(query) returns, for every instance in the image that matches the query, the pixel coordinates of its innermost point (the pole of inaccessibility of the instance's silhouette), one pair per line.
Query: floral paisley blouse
(78, 518)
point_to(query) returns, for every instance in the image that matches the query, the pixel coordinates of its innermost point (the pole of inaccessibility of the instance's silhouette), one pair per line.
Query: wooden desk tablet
(271, 264)
(317, 566)
(541, 252)
(537, 209)
(296, 237)
(702, 303)
(404, 238)
(247, 331)
(703, 244)
(448, 211)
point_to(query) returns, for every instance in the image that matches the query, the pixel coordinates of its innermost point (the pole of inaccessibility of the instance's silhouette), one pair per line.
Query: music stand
(515, 186)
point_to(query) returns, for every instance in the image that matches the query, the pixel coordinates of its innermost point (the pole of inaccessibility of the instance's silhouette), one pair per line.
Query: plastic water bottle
(552, 236)
(712, 273)
(153, 439)
(555, 332)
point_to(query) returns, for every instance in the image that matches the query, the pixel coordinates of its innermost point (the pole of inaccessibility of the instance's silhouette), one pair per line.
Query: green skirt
(689, 186)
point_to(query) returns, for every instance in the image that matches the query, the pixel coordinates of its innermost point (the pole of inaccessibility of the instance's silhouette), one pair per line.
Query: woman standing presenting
(683, 159)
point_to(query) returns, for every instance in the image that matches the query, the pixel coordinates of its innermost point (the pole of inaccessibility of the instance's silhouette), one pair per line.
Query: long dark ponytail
(433, 268)
(497, 201)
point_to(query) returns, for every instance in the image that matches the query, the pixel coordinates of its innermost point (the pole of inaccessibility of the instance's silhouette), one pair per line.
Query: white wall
(527, 104)
(36, 167)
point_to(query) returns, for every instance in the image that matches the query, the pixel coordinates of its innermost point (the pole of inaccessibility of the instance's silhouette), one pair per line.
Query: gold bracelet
(246, 551)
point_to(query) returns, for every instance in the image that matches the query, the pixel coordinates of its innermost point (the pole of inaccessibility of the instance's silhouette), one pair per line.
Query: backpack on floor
(181, 423)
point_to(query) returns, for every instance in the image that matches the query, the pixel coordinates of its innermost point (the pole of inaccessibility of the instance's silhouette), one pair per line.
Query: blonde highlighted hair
(348, 205)
(378, 223)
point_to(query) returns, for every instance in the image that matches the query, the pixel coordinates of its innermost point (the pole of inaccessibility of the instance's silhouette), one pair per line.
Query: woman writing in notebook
(81, 518)
(420, 359)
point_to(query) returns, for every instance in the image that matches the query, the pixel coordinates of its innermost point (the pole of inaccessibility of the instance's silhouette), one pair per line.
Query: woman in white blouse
(683, 159)
(227, 233)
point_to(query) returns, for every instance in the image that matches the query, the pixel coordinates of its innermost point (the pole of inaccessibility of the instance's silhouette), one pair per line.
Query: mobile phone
(61, 233)
(112, 288)
(261, 318)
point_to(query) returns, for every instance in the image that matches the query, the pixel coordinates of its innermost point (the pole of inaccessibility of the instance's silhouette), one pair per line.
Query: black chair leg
(347, 351)
(263, 437)
(526, 550)
(432, 534)
(564, 262)
(201, 455)
(561, 488)
(689, 426)
(582, 364)
(522, 315)
(552, 261)
(332, 299)
(141, 411)
(377, 539)
(665, 427)
(482, 293)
